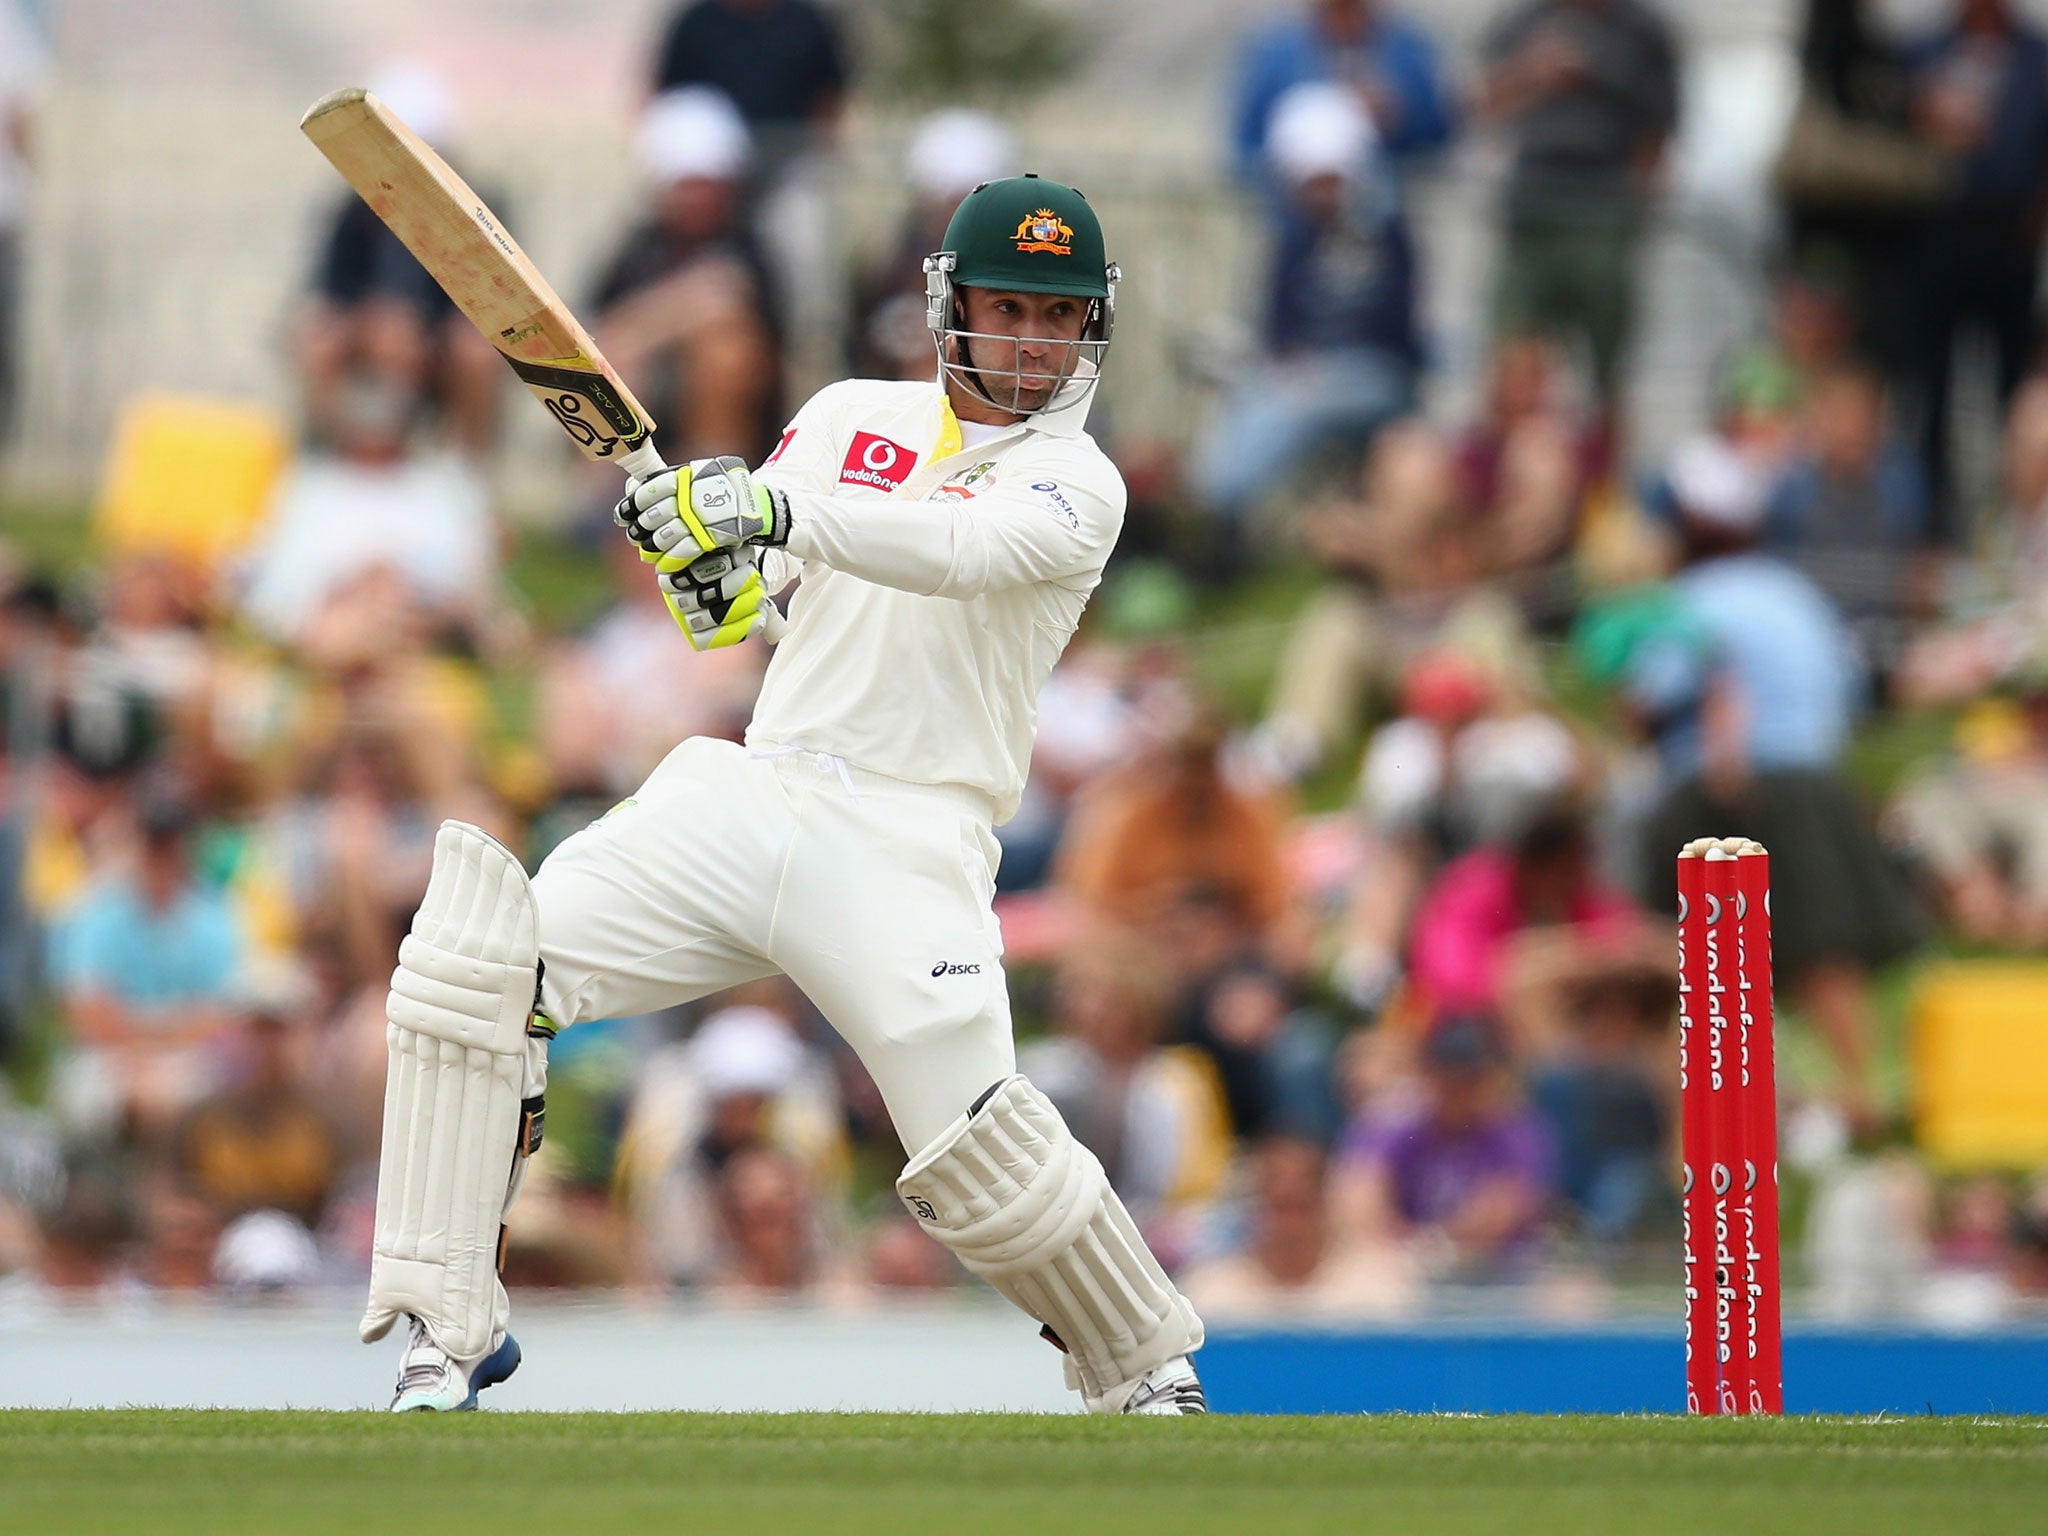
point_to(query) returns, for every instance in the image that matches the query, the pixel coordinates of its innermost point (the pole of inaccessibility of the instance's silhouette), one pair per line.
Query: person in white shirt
(946, 536)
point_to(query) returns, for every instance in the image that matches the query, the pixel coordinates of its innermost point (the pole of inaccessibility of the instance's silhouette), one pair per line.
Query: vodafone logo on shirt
(876, 462)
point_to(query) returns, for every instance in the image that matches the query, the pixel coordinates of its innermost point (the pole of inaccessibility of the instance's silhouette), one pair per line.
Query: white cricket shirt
(940, 582)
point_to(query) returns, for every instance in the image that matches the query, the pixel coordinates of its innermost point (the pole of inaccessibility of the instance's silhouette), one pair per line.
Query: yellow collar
(949, 442)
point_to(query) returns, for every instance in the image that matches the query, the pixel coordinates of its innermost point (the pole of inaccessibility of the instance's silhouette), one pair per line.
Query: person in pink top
(1466, 925)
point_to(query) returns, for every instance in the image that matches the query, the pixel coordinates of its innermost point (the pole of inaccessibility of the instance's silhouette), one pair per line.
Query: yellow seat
(189, 477)
(1979, 1056)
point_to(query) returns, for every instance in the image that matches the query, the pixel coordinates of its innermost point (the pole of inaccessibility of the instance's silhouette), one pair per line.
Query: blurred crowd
(1363, 987)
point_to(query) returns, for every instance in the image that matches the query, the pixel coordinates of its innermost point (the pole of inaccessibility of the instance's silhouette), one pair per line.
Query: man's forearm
(935, 548)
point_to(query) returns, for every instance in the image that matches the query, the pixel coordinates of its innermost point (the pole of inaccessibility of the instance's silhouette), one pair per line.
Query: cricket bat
(481, 267)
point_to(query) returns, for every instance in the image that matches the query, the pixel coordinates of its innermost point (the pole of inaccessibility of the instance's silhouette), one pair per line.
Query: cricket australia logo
(1043, 231)
(962, 489)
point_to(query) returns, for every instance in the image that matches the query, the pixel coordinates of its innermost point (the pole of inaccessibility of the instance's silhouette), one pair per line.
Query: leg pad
(462, 1100)
(1029, 1209)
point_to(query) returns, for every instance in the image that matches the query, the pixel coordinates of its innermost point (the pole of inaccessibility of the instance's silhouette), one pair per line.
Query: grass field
(589, 1474)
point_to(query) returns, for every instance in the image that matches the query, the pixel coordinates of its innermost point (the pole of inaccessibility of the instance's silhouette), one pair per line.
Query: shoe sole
(495, 1367)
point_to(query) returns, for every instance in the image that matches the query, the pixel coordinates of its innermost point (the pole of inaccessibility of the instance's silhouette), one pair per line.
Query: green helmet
(1023, 234)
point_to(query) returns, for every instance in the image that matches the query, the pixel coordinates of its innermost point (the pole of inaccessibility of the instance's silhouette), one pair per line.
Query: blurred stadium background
(1589, 426)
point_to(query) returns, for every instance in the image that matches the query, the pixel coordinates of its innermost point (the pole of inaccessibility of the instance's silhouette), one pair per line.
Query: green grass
(170, 1472)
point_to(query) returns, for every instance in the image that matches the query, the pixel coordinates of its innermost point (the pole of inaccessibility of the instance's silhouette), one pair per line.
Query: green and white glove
(718, 599)
(698, 508)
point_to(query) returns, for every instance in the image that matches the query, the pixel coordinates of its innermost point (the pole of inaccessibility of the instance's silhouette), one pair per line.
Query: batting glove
(718, 599)
(706, 505)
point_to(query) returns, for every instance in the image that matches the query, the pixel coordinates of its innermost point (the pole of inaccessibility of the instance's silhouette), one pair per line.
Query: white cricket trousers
(873, 895)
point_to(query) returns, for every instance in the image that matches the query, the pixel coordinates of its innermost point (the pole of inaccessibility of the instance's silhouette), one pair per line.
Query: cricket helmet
(1023, 234)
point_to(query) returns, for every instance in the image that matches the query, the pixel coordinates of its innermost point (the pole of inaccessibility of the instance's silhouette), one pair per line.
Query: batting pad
(1029, 1209)
(461, 1065)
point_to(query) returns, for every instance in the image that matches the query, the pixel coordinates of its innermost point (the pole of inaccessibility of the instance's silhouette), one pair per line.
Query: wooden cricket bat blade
(480, 266)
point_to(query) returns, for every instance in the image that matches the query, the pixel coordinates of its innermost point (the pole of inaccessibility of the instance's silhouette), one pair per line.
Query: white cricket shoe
(1169, 1389)
(430, 1380)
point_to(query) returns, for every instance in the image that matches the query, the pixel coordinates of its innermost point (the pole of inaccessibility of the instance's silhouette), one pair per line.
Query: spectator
(1169, 832)
(1975, 824)
(767, 1227)
(1273, 1054)
(950, 154)
(1868, 1233)
(2027, 1270)
(1980, 91)
(1756, 624)
(100, 733)
(1462, 1178)
(180, 1235)
(1094, 713)
(265, 1254)
(1851, 511)
(1591, 1015)
(375, 772)
(1466, 763)
(2003, 606)
(374, 508)
(1855, 176)
(784, 65)
(1341, 353)
(781, 62)
(1589, 91)
(1400, 562)
(1467, 923)
(902, 1259)
(1408, 565)
(263, 1142)
(1389, 61)
(146, 965)
(376, 316)
(1750, 693)
(1293, 1266)
(1527, 464)
(1811, 333)
(743, 1082)
(87, 1236)
(1156, 1117)
(1975, 1227)
(687, 309)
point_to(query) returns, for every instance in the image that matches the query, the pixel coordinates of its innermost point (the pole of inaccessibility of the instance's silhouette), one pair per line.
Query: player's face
(1033, 351)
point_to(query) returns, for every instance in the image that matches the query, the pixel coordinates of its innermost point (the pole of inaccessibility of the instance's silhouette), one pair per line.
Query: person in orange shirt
(1170, 843)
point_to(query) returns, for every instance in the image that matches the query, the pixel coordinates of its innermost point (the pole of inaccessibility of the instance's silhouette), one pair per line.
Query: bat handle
(644, 461)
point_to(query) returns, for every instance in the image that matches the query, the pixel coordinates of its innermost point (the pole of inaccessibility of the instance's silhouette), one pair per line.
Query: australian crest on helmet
(1043, 230)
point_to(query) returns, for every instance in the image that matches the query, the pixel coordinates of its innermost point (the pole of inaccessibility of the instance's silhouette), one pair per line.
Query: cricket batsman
(948, 535)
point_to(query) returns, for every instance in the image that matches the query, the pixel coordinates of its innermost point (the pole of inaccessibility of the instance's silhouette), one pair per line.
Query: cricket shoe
(430, 1380)
(1170, 1389)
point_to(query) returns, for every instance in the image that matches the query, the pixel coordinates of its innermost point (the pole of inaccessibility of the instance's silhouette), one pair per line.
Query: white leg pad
(462, 1065)
(1029, 1209)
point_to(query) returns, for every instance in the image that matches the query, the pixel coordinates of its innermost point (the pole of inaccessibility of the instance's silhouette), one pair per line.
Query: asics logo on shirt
(1057, 503)
(943, 968)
